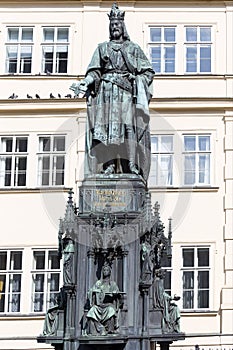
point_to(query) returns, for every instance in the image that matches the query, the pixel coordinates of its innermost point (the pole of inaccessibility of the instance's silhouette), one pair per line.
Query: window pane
(155, 34)
(188, 299)
(189, 169)
(156, 59)
(203, 299)
(204, 169)
(63, 34)
(153, 179)
(169, 34)
(44, 144)
(11, 59)
(6, 145)
(191, 34)
(204, 143)
(54, 282)
(205, 34)
(14, 293)
(5, 171)
(61, 59)
(205, 59)
(20, 171)
(154, 144)
(2, 292)
(13, 34)
(203, 256)
(39, 260)
(188, 257)
(170, 59)
(167, 282)
(166, 144)
(54, 262)
(16, 261)
(48, 52)
(59, 143)
(3, 256)
(39, 282)
(49, 34)
(21, 144)
(189, 143)
(191, 59)
(165, 169)
(203, 279)
(58, 166)
(27, 34)
(25, 59)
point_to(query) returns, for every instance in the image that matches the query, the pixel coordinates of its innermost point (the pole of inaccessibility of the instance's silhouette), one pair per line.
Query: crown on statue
(116, 13)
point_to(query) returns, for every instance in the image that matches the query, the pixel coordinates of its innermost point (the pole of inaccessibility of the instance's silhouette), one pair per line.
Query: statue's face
(106, 271)
(116, 29)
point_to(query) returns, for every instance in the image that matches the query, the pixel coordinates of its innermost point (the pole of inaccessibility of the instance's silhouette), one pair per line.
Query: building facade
(45, 46)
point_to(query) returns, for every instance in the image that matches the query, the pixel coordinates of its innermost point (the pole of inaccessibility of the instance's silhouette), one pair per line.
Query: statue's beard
(116, 34)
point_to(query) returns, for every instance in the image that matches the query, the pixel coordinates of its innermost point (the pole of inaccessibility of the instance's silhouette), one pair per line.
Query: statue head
(106, 270)
(117, 27)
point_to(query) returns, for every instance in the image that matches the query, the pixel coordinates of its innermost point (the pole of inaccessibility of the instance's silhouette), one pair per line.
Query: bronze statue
(165, 302)
(118, 87)
(105, 301)
(51, 317)
(68, 257)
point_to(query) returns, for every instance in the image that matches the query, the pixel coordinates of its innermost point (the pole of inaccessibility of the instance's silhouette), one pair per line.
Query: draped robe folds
(115, 104)
(104, 305)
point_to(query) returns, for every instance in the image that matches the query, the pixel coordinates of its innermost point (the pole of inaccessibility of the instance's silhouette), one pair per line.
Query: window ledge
(184, 189)
(16, 316)
(199, 313)
(34, 190)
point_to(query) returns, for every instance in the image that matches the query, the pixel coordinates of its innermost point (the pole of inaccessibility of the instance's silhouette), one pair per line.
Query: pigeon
(13, 96)
(51, 96)
(68, 96)
(59, 95)
(28, 96)
(37, 96)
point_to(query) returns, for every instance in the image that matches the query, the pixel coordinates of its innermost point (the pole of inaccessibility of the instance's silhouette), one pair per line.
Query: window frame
(180, 45)
(55, 45)
(9, 272)
(160, 153)
(196, 269)
(52, 164)
(197, 153)
(163, 44)
(15, 156)
(46, 272)
(198, 44)
(19, 44)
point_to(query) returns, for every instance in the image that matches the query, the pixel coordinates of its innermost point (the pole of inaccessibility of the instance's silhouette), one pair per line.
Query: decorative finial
(116, 13)
(70, 196)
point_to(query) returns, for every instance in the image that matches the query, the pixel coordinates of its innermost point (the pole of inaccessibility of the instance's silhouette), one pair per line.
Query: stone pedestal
(113, 220)
(116, 193)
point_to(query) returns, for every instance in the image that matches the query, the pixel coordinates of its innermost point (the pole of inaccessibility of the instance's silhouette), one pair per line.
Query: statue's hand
(131, 77)
(83, 86)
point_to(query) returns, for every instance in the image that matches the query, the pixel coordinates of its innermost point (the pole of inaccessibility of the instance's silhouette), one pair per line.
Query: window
(198, 49)
(162, 49)
(196, 277)
(45, 279)
(161, 160)
(51, 160)
(55, 50)
(13, 160)
(10, 280)
(19, 50)
(166, 264)
(197, 159)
